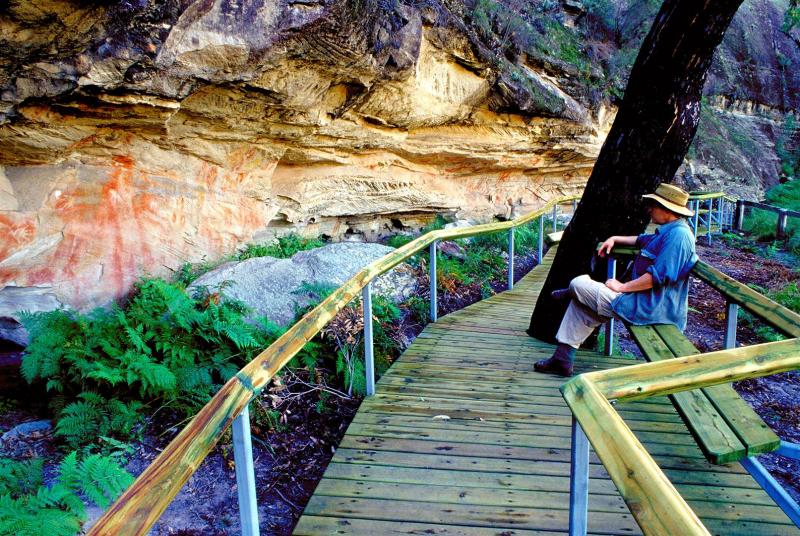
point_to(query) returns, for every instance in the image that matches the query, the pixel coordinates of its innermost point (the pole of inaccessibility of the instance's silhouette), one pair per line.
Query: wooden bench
(724, 426)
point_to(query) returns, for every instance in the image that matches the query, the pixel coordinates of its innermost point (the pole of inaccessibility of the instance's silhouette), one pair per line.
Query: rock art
(137, 136)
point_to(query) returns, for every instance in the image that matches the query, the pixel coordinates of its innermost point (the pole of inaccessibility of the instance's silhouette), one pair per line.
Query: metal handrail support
(731, 320)
(611, 274)
(434, 315)
(773, 488)
(579, 481)
(245, 473)
(511, 258)
(369, 348)
(540, 246)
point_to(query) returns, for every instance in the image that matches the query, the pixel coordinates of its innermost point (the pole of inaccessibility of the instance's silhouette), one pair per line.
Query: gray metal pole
(612, 273)
(696, 221)
(739, 215)
(783, 217)
(579, 481)
(721, 213)
(555, 218)
(773, 488)
(510, 258)
(731, 318)
(708, 218)
(369, 355)
(245, 475)
(540, 251)
(432, 276)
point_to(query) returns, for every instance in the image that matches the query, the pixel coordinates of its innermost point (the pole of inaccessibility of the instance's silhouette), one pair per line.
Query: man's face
(657, 213)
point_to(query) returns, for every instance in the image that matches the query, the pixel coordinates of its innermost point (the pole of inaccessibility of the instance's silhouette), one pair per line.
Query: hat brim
(677, 209)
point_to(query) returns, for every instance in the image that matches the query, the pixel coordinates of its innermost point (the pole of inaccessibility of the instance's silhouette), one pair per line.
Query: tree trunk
(654, 127)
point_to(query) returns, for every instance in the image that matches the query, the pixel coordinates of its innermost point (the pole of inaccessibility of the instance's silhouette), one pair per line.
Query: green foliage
(28, 507)
(284, 248)
(93, 416)
(399, 240)
(164, 347)
(792, 16)
(762, 224)
(788, 296)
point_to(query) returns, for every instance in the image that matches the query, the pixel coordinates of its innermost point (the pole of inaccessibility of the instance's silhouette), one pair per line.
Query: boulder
(278, 288)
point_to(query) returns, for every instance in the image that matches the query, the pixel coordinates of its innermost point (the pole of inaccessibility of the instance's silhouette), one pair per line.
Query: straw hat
(672, 198)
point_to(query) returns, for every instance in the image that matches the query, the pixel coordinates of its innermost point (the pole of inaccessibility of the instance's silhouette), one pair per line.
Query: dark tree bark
(654, 127)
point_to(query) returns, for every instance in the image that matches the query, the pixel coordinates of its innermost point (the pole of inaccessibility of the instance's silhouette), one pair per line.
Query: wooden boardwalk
(463, 438)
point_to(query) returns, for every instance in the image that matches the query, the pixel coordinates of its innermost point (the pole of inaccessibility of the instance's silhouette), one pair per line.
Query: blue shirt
(669, 256)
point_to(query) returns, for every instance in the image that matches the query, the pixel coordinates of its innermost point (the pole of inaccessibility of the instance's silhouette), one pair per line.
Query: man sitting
(657, 293)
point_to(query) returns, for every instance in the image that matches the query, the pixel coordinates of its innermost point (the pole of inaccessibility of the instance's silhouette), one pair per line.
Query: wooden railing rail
(652, 499)
(140, 506)
(650, 496)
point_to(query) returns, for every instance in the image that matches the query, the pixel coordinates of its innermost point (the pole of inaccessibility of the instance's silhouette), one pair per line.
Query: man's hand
(607, 246)
(615, 285)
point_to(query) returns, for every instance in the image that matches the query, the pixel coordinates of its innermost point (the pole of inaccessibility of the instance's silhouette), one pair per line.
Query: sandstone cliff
(138, 135)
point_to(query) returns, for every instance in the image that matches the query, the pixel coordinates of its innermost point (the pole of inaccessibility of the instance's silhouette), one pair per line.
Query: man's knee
(578, 282)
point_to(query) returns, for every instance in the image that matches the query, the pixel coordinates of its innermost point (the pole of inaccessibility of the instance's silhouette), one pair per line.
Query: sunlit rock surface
(139, 135)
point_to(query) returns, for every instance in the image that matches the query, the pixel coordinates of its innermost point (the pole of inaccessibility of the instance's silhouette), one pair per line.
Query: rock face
(279, 288)
(139, 135)
(180, 132)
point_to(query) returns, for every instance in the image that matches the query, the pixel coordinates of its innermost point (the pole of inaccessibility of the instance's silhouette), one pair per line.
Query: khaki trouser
(590, 306)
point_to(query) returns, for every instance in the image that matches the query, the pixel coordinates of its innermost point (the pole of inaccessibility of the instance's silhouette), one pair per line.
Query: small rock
(28, 430)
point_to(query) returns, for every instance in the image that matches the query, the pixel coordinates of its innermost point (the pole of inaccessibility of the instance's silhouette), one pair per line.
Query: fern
(39, 510)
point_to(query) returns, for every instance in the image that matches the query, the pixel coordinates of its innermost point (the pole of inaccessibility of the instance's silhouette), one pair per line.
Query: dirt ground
(291, 459)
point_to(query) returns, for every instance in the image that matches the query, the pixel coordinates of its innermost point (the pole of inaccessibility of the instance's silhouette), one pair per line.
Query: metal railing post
(540, 251)
(721, 214)
(245, 475)
(696, 221)
(579, 481)
(739, 215)
(790, 450)
(783, 217)
(432, 276)
(773, 488)
(731, 318)
(612, 273)
(555, 217)
(708, 218)
(511, 258)
(369, 355)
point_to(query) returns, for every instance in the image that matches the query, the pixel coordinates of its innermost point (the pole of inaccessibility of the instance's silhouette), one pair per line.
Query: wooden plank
(753, 432)
(472, 515)
(713, 435)
(314, 525)
(527, 499)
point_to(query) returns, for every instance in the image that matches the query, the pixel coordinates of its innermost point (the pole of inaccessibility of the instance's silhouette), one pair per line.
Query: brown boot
(560, 363)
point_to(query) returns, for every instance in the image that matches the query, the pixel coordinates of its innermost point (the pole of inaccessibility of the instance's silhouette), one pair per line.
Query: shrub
(164, 347)
(284, 248)
(29, 507)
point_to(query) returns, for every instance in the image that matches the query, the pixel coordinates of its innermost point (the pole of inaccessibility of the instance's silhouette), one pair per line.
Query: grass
(762, 224)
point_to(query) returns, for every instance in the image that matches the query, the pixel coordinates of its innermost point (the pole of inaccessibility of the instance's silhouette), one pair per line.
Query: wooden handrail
(776, 315)
(140, 506)
(652, 499)
(771, 208)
